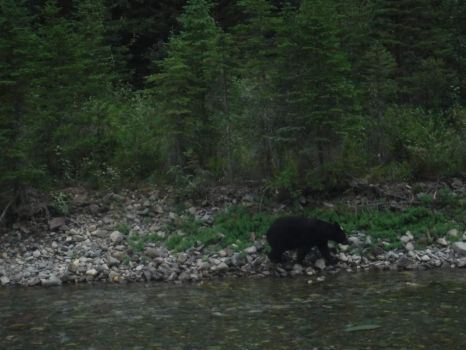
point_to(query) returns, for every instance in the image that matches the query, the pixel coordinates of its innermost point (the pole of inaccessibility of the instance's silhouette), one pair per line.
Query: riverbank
(145, 235)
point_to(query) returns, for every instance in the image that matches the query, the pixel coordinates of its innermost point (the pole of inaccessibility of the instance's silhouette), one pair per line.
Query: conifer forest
(296, 95)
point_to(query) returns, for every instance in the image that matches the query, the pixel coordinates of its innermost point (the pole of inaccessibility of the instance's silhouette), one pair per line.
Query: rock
(222, 266)
(111, 261)
(116, 237)
(184, 276)
(155, 252)
(36, 253)
(342, 257)
(51, 281)
(409, 235)
(4, 280)
(461, 262)
(251, 250)
(459, 247)
(409, 246)
(453, 232)
(442, 241)
(100, 233)
(93, 209)
(297, 269)
(320, 264)
(182, 257)
(91, 272)
(425, 258)
(405, 239)
(119, 255)
(406, 263)
(354, 241)
(114, 276)
(56, 223)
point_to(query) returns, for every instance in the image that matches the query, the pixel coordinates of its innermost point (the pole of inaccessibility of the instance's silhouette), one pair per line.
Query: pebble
(320, 264)
(116, 237)
(459, 247)
(97, 251)
(251, 250)
(409, 246)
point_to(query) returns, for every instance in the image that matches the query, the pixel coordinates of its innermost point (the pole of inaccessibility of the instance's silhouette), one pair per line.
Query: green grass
(138, 242)
(234, 226)
(231, 227)
(389, 225)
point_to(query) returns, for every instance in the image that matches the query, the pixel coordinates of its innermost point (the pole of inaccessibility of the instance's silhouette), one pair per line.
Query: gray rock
(406, 263)
(425, 258)
(181, 258)
(221, 267)
(91, 272)
(114, 276)
(56, 223)
(459, 247)
(116, 237)
(4, 280)
(184, 276)
(320, 264)
(453, 232)
(342, 257)
(409, 246)
(93, 209)
(251, 250)
(405, 239)
(119, 255)
(100, 233)
(355, 241)
(51, 281)
(461, 262)
(297, 269)
(442, 241)
(111, 261)
(155, 252)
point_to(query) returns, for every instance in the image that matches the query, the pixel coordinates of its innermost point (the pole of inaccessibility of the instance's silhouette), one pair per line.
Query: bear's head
(339, 235)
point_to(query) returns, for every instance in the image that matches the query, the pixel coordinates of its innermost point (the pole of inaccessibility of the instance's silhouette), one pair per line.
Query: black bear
(290, 233)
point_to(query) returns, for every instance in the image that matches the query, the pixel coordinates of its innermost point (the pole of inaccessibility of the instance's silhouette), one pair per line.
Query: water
(423, 310)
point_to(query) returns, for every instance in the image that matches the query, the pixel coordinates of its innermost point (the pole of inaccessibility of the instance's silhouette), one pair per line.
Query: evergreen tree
(413, 32)
(77, 66)
(316, 86)
(187, 76)
(256, 62)
(18, 67)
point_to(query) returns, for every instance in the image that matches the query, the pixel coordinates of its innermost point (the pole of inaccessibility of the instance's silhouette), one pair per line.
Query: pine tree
(413, 32)
(316, 86)
(187, 76)
(18, 67)
(76, 66)
(256, 62)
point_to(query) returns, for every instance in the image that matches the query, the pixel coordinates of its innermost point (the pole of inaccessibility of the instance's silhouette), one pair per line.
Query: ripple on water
(423, 310)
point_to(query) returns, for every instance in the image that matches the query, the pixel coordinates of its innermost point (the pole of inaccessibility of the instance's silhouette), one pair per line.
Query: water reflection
(361, 311)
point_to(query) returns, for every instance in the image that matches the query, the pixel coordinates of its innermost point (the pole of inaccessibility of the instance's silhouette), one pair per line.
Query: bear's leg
(275, 255)
(324, 250)
(302, 252)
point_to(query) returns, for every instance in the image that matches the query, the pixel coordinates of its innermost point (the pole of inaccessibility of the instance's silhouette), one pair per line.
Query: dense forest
(298, 94)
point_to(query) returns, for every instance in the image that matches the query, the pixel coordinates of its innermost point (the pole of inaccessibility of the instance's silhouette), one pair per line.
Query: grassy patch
(389, 225)
(138, 242)
(235, 226)
(231, 227)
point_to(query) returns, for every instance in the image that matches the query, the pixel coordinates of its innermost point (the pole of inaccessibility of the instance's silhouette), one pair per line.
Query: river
(399, 310)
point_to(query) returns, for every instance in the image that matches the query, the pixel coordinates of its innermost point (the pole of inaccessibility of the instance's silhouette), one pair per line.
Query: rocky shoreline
(88, 247)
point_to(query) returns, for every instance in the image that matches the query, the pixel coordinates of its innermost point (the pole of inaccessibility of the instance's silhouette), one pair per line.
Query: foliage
(301, 95)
